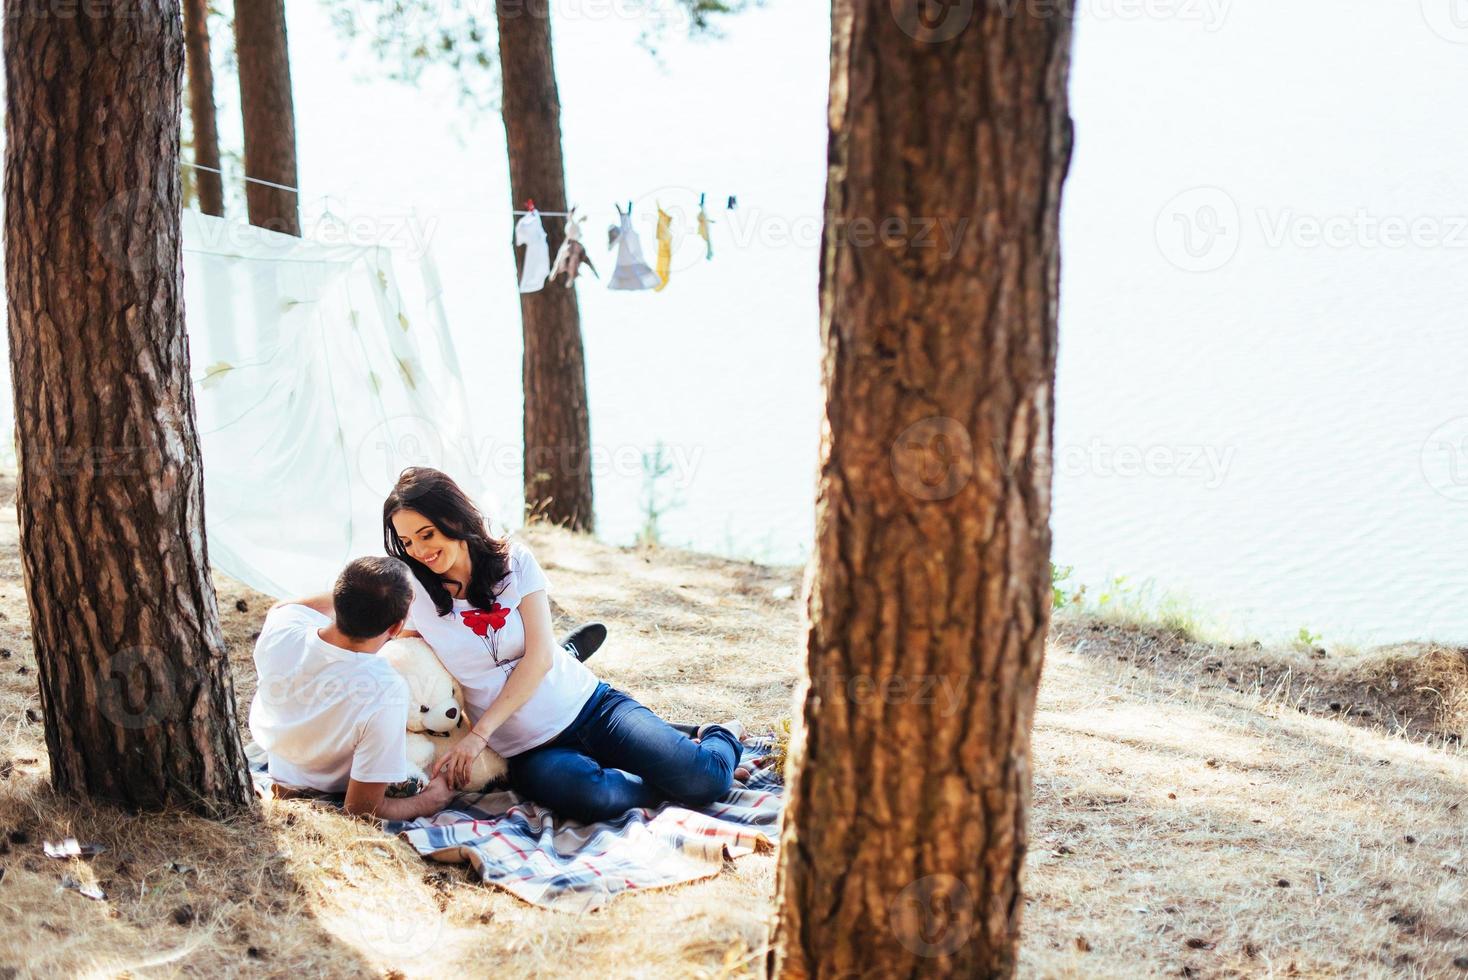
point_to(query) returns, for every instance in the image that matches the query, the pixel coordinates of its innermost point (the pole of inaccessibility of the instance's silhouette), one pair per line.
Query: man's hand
(437, 795)
(456, 765)
(370, 800)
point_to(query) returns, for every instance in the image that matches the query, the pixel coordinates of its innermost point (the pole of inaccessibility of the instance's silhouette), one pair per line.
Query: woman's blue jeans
(617, 755)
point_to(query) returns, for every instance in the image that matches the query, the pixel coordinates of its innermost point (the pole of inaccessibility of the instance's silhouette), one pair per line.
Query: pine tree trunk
(269, 114)
(905, 830)
(201, 107)
(139, 706)
(557, 428)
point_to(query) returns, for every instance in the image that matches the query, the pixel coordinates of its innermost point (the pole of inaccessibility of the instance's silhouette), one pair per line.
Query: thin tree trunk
(269, 114)
(905, 831)
(201, 107)
(557, 428)
(139, 706)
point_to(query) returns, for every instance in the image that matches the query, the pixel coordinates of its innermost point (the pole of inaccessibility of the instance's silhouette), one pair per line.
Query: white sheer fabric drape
(320, 371)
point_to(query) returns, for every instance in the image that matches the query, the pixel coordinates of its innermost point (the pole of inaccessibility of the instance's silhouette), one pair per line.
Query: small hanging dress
(572, 254)
(632, 271)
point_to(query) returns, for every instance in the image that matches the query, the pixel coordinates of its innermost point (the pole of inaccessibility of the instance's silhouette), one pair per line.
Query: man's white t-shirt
(481, 648)
(322, 713)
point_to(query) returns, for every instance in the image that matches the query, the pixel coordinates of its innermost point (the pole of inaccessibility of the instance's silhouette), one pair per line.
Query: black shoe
(584, 640)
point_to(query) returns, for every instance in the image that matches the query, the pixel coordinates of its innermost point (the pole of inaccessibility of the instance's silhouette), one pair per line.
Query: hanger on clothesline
(530, 208)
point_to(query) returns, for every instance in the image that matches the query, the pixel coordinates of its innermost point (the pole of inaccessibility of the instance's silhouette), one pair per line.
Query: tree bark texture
(557, 427)
(269, 114)
(139, 706)
(929, 593)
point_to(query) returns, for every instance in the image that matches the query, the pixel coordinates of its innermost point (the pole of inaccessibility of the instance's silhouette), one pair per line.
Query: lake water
(1260, 402)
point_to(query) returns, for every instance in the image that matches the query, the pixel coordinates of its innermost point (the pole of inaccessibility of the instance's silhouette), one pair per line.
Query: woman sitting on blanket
(573, 744)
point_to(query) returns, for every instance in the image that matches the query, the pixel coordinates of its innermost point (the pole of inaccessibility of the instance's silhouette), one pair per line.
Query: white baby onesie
(531, 233)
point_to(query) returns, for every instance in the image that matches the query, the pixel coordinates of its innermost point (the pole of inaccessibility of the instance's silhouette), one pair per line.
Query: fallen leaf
(214, 372)
(1196, 943)
(69, 848)
(87, 891)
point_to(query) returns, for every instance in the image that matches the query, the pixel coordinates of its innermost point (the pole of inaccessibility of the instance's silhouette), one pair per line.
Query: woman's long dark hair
(437, 497)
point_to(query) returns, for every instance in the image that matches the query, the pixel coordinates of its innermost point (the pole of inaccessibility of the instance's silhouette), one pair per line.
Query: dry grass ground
(1183, 824)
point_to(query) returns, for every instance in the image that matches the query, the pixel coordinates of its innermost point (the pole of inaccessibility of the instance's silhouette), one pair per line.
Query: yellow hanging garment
(665, 249)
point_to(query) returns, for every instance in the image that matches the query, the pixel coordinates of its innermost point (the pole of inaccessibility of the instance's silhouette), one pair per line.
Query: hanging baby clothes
(632, 271)
(665, 249)
(703, 228)
(572, 253)
(531, 233)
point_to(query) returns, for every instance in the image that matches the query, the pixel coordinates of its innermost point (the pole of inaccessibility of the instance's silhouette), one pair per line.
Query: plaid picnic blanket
(560, 864)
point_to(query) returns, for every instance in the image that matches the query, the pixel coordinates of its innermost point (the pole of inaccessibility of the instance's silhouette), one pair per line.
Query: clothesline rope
(248, 180)
(341, 197)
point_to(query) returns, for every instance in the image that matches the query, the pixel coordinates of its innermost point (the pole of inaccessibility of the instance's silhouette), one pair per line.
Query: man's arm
(371, 800)
(380, 758)
(321, 603)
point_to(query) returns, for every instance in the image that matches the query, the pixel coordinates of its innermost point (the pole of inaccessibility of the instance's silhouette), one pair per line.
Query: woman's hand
(529, 670)
(457, 763)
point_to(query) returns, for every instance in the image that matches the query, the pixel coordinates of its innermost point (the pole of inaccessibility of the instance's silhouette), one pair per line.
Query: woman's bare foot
(733, 727)
(741, 773)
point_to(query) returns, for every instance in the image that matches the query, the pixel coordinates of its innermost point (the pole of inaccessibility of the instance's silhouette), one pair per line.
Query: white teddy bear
(436, 719)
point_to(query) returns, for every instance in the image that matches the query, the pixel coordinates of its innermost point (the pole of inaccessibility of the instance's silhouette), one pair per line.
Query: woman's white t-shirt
(481, 648)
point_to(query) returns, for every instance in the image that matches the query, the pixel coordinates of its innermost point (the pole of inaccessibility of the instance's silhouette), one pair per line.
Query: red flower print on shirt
(482, 621)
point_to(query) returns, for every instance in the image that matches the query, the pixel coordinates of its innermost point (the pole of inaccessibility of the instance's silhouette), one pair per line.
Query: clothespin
(733, 202)
(530, 204)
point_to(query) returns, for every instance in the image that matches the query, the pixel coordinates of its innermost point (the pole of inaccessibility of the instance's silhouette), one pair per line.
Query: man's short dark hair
(371, 594)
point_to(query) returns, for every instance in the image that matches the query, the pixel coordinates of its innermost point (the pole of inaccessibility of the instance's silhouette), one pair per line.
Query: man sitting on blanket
(331, 715)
